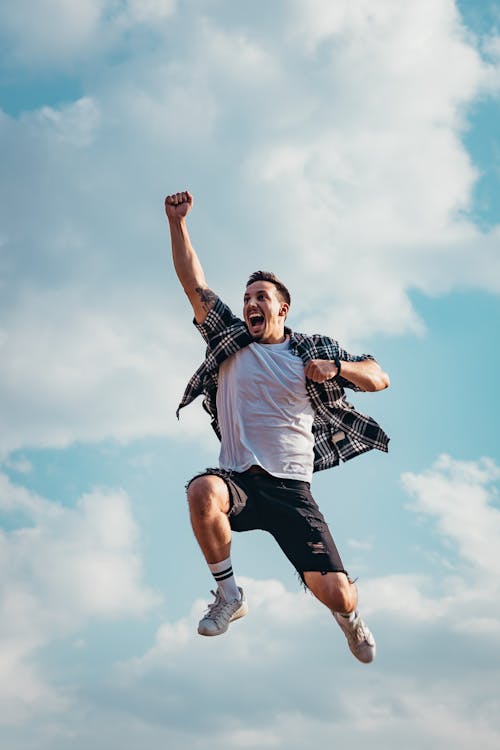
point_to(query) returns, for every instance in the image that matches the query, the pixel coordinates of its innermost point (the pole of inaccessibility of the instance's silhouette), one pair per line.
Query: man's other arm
(366, 374)
(186, 262)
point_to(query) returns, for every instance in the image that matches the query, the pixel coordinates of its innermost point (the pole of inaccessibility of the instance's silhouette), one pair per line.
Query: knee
(335, 590)
(345, 596)
(207, 494)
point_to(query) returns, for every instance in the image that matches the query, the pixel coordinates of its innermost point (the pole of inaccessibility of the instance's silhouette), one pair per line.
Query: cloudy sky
(352, 147)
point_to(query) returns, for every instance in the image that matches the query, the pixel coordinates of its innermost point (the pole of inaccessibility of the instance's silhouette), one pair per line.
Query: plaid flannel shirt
(340, 432)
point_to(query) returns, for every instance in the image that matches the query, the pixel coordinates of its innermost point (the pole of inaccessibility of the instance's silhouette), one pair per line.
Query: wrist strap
(337, 362)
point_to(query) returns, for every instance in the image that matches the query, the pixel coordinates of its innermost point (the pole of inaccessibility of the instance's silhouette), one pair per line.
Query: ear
(284, 309)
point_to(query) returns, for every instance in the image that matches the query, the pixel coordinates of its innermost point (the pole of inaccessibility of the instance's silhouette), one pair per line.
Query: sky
(352, 148)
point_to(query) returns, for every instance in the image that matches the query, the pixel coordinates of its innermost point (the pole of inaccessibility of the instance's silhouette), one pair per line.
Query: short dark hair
(268, 276)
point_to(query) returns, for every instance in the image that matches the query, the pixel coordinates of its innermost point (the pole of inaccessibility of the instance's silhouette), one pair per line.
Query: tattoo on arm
(207, 297)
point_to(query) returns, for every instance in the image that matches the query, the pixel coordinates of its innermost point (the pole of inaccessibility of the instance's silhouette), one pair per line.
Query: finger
(310, 371)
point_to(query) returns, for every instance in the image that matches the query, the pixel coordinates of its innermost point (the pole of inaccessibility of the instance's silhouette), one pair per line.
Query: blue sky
(353, 148)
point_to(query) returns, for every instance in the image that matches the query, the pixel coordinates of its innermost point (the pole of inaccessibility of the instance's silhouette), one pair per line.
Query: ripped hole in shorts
(317, 548)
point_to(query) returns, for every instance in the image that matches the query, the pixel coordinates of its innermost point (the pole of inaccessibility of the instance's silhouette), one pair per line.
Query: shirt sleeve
(345, 356)
(324, 347)
(219, 319)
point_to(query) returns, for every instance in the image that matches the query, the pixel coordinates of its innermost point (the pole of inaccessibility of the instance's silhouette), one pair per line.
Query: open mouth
(255, 321)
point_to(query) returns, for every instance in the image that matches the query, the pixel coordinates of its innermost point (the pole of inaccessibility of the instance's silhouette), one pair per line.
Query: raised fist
(320, 370)
(178, 205)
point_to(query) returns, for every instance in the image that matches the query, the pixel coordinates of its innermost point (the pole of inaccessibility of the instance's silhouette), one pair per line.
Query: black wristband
(337, 362)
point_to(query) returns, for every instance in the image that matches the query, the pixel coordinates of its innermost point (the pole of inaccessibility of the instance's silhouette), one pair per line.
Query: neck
(279, 339)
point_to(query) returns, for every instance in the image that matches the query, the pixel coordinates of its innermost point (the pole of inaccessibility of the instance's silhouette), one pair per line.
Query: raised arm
(366, 374)
(186, 262)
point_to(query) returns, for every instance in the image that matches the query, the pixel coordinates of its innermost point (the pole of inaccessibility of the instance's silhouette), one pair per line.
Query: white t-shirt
(264, 412)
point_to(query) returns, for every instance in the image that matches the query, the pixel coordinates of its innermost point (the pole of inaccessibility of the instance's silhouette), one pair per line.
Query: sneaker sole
(241, 612)
(365, 658)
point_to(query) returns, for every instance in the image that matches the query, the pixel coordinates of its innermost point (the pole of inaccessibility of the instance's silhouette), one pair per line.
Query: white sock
(351, 616)
(226, 582)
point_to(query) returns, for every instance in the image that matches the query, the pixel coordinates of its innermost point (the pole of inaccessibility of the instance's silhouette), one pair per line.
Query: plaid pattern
(340, 432)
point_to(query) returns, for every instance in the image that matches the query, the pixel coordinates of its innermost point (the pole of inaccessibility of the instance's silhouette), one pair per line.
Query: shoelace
(218, 608)
(359, 632)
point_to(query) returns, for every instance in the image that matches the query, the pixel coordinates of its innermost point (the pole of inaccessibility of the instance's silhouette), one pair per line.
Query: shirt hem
(277, 474)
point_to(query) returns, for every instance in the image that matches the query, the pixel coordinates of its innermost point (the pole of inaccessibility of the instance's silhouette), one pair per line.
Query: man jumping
(277, 403)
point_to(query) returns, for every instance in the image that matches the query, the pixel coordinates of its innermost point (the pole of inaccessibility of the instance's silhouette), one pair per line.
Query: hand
(178, 205)
(320, 370)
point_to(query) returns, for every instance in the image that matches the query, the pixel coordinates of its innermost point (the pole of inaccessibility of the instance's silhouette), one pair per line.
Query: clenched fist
(320, 370)
(178, 205)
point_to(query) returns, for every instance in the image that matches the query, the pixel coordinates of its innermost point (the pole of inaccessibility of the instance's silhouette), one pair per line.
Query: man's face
(264, 312)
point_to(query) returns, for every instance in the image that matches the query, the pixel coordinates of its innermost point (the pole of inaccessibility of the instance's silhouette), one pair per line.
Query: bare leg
(334, 590)
(209, 505)
(339, 594)
(208, 499)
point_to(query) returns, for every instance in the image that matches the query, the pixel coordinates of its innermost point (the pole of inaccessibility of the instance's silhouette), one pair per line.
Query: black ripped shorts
(286, 509)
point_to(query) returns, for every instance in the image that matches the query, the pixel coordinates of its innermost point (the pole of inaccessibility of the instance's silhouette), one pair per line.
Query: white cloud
(60, 567)
(236, 56)
(405, 45)
(288, 644)
(270, 603)
(56, 33)
(378, 190)
(51, 30)
(72, 372)
(75, 123)
(20, 465)
(148, 10)
(460, 499)
(437, 715)
(459, 496)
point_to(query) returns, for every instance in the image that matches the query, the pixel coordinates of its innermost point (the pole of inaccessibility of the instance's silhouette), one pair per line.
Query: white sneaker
(220, 613)
(360, 640)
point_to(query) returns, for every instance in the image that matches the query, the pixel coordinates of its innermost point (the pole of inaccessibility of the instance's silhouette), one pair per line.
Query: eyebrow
(259, 291)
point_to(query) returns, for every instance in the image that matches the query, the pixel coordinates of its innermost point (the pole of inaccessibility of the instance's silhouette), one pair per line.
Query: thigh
(240, 507)
(206, 491)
